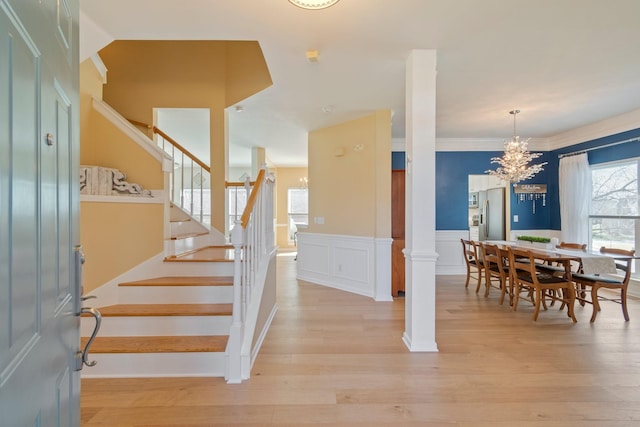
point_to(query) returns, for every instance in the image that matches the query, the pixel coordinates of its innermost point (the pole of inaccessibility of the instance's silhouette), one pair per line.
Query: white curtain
(575, 198)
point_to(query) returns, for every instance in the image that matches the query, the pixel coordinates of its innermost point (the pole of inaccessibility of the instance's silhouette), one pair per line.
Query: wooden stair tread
(187, 235)
(183, 281)
(140, 310)
(162, 344)
(206, 254)
(186, 219)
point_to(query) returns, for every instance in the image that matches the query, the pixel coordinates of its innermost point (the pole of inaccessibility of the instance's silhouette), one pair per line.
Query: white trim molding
(485, 144)
(601, 129)
(157, 197)
(100, 67)
(134, 133)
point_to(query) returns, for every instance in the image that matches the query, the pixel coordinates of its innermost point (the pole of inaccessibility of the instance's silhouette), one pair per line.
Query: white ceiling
(563, 63)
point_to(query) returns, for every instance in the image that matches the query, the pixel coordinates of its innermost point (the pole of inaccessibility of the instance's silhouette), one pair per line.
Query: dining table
(561, 261)
(551, 256)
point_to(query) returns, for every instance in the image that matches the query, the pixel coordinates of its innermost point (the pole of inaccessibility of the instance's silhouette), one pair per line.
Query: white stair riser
(131, 365)
(185, 227)
(132, 326)
(223, 268)
(178, 246)
(175, 294)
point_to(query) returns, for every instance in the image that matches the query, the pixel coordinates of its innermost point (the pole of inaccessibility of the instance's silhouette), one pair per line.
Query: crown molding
(485, 144)
(473, 144)
(614, 125)
(622, 123)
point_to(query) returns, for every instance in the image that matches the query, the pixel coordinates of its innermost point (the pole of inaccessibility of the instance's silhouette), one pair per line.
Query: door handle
(486, 214)
(84, 354)
(79, 260)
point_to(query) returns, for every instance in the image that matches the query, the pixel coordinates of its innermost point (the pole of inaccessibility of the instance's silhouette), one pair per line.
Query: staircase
(171, 325)
(201, 307)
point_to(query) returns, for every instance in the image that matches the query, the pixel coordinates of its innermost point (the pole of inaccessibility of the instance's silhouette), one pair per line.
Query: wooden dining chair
(558, 269)
(496, 269)
(595, 282)
(525, 277)
(577, 246)
(475, 266)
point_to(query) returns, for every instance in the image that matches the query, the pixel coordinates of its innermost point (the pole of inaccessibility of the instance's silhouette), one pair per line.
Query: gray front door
(39, 291)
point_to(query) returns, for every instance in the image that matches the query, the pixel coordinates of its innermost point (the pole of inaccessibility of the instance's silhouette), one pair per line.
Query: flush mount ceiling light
(514, 163)
(313, 4)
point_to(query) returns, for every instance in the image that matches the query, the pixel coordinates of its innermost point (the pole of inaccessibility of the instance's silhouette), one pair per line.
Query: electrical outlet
(515, 218)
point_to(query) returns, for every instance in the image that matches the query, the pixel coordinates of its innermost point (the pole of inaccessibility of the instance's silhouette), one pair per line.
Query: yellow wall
(351, 187)
(105, 145)
(115, 236)
(90, 86)
(285, 178)
(246, 71)
(151, 74)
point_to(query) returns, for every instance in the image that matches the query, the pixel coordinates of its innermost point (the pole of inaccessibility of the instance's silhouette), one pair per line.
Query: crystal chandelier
(314, 4)
(514, 164)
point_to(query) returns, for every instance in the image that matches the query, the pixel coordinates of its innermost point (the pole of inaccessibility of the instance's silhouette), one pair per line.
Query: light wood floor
(336, 359)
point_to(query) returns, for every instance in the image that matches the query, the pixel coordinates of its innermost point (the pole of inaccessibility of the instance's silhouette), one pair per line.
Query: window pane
(615, 189)
(615, 193)
(237, 200)
(613, 233)
(298, 202)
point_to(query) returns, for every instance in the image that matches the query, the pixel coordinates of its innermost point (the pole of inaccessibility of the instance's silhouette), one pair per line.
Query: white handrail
(188, 175)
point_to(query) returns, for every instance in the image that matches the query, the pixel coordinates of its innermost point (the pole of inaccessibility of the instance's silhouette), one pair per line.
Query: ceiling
(563, 63)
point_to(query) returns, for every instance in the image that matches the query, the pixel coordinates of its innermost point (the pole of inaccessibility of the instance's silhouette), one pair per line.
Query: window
(237, 200)
(298, 210)
(615, 206)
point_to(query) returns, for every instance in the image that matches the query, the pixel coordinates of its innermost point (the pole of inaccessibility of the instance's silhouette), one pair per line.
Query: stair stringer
(107, 294)
(260, 314)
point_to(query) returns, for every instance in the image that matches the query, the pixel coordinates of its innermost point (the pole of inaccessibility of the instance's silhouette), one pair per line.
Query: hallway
(337, 359)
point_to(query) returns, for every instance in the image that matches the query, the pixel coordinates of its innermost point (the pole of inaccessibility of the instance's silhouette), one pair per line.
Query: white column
(258, 159)
(420, 232)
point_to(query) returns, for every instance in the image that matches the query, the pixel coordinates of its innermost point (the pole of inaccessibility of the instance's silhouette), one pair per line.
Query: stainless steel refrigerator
(492, 214)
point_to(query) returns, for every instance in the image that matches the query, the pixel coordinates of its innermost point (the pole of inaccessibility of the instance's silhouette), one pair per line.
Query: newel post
(234, 347)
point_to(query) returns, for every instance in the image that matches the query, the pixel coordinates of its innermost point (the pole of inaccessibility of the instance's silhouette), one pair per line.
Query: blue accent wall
(452, 187)
(397, 160)
(527, 218)
(452, 184)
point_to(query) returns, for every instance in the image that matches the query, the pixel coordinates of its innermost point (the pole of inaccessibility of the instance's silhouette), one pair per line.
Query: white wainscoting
(361, 265)
(354, 264)
(449, 249)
